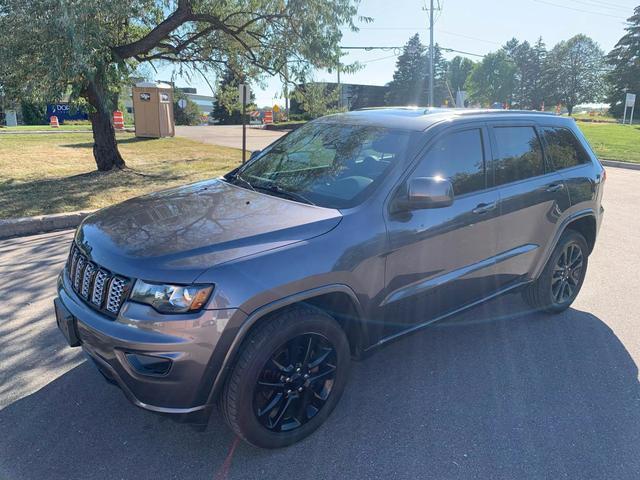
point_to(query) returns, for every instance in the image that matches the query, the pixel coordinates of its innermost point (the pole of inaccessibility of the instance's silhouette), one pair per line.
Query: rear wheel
(290, 375)
(560, 281)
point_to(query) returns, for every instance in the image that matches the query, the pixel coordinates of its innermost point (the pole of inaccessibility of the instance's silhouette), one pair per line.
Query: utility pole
(431, 54)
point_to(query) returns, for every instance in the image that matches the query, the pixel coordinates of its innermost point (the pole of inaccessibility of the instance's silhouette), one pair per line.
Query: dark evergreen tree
(410, 84)
(530, 73)
(409, 81)
(625, 61)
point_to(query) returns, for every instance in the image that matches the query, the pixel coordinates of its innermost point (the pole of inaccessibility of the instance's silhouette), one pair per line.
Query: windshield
(327, 164)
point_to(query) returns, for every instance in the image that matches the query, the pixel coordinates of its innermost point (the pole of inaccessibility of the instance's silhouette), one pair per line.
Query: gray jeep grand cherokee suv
(256, 290)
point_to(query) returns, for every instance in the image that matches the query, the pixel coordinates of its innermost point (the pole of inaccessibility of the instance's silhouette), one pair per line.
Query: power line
(389, 48)
(601, 4)
(579, 10)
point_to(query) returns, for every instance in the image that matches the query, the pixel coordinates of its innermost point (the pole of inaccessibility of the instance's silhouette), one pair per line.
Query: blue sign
(64, 111)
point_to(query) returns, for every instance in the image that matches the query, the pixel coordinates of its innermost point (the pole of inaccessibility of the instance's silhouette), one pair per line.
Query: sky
(472, 26)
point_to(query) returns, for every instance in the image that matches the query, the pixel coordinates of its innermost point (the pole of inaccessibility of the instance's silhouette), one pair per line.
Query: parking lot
(496, 393)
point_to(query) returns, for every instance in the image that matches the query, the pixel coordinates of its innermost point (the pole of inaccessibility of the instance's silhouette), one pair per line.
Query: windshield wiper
(236, 177)
(279, 191)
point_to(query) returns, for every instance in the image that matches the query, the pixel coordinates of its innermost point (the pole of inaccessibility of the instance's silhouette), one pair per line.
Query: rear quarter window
(564, 150)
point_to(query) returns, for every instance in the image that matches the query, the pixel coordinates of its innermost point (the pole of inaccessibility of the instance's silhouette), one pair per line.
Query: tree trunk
(105, 147)
(570, 109)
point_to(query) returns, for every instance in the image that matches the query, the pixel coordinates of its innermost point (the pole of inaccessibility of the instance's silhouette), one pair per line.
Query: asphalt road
(230, 135)
(497, 393)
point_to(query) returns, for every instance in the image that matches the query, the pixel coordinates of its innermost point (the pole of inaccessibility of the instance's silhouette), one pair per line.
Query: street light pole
(431, 55)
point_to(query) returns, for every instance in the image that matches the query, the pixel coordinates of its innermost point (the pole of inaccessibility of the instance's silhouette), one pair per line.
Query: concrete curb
(22, 227)
(618, 164)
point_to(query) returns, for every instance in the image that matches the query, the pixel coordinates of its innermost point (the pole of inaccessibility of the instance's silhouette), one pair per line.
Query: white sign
(244, 92)
(631, 100)
(182, 103)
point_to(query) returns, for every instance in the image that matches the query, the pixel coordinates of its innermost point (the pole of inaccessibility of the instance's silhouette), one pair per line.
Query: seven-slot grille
(99, 287)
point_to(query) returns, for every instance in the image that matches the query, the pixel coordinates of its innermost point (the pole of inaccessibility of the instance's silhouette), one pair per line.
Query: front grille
(100, 288)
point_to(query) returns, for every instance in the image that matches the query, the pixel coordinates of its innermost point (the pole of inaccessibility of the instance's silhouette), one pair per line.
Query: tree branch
(151, 40)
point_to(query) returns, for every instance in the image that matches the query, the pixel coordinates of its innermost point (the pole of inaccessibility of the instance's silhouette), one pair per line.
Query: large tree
(89, 48)
(576, 71)
(459, 70)
(625, 62)
(530, 78)
(493, 79)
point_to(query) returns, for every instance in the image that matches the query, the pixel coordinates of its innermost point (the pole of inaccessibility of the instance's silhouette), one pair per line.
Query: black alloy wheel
(295, 383)
(567, 273)
(289, 376)
(560, 281)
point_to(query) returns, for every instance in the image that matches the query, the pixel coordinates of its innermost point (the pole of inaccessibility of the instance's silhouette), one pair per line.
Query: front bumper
(192, 347)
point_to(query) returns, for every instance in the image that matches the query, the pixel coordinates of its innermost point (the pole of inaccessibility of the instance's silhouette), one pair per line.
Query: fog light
(148, 364)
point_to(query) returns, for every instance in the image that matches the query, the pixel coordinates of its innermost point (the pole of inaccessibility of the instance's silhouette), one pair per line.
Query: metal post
(624, 115)
(339, 86)
(244, 124)
(431, 55)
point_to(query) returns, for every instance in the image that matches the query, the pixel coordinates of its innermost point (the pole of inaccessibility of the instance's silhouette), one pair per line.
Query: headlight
(171, 298)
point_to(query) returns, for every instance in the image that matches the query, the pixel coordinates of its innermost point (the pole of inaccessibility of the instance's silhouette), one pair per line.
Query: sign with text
(244, 93)
(631, 100)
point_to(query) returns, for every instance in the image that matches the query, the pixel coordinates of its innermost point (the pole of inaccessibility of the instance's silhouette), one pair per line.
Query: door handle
(484, 208)
(556, 187)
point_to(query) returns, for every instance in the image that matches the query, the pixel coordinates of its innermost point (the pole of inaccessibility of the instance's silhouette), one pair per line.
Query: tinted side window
(519, 154)
(563, 148)
(459, 157)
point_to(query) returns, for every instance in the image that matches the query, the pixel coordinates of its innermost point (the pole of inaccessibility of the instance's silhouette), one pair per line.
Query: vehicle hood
(175, 235)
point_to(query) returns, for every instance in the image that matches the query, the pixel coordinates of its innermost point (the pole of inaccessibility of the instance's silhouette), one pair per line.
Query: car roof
(420, 118)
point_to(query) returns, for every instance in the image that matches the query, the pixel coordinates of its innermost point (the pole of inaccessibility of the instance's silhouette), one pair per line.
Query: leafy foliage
(625, 62)
(576, 71)
(531, 82)
(493, 79)
(49, 48)
(189, 115)
(458, 72)
(34, 113)
(227, 109)
(316, 99)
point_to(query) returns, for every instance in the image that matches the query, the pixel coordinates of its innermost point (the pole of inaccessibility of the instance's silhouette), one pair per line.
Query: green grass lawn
(42, 174)
(613, 141)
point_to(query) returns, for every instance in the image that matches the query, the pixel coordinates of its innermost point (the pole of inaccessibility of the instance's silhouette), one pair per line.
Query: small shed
(153, 110)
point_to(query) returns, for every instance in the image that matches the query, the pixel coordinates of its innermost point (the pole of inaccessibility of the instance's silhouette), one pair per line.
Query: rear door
(440, 259)
(532, 199)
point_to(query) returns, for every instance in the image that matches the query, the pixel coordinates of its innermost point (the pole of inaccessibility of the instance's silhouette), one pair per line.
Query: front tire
(560, 281)
(289, 376)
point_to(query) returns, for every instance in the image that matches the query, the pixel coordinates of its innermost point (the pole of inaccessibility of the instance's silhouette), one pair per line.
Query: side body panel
(443, 258)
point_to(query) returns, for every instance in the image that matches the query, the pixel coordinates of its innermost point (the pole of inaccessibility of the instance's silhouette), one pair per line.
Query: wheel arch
(584, 222)
(338, 300)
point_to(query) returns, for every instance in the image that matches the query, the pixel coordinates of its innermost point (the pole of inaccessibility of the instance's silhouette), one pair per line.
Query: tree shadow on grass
(76, 192)
(123, 141)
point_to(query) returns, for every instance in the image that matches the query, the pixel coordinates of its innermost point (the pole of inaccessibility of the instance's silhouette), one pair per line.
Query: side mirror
(429, 192)
(254, 154)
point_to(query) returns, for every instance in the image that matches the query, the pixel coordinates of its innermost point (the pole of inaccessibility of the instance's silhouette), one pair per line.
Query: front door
(441, 259)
